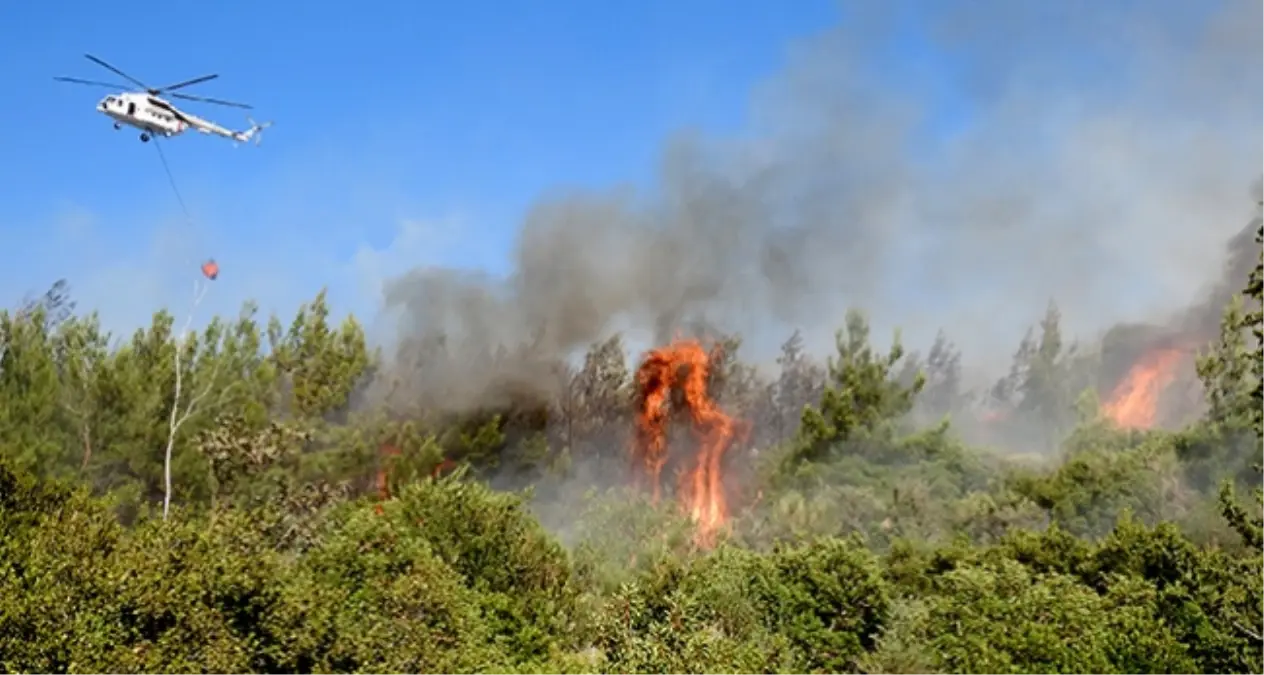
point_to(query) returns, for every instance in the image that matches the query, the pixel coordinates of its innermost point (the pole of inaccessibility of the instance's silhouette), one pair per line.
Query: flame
(1134, 401)
(388, 454)
(993, 416)
(441, 467)
(702, 488)
(386, 462)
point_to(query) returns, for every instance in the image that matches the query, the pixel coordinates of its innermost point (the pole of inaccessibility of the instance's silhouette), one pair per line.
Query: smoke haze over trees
(1097, 156)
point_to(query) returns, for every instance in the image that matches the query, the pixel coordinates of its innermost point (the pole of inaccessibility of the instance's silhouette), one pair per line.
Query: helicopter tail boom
(255, 131)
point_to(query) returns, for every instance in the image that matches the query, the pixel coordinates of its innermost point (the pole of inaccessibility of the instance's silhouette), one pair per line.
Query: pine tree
(1226, 372)
(1253, 320)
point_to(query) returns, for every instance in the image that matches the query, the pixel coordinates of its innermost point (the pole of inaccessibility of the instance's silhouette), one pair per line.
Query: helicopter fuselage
(135, 110)
(155, 117)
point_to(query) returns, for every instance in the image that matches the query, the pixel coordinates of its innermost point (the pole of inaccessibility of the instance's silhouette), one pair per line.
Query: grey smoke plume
(1099, 154)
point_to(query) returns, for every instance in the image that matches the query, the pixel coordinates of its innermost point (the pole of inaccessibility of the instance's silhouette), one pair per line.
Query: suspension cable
(200, 287)
(172, 180)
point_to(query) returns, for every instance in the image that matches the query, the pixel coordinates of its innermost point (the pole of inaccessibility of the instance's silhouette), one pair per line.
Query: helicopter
(156, 117)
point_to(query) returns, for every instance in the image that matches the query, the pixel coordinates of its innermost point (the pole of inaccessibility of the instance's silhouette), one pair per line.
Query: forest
(281, 496)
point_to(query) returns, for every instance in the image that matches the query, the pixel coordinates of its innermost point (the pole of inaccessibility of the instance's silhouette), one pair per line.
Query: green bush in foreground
(453, 577)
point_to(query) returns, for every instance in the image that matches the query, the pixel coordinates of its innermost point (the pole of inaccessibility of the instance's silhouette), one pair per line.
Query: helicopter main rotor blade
(116, 71)
(76, 80)
(186, 83)
(212, 100)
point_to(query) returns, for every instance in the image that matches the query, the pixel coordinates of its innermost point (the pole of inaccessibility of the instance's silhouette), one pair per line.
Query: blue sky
(412, 134)
(451, 116)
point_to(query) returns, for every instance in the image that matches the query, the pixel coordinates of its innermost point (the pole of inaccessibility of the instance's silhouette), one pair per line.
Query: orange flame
(1134, 402)
(387, 456)
(702, 487)
(441, 467)
(386, 461)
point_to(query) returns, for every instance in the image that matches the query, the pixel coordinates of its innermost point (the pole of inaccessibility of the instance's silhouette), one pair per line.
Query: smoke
(939, 167)
(1240, 257)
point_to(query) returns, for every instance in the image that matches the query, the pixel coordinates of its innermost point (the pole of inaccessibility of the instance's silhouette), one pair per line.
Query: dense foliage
(326, 517)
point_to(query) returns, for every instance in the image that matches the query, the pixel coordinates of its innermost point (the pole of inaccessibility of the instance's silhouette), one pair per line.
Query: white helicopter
(154, 116)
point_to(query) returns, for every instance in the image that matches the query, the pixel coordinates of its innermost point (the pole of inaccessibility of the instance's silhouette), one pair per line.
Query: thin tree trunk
(85, 435)
(171, 437)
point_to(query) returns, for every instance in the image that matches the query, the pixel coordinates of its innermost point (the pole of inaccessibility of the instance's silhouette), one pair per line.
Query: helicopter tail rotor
(255, 131)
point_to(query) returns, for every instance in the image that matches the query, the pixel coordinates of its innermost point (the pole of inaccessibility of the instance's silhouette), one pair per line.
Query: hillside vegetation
(268, 498)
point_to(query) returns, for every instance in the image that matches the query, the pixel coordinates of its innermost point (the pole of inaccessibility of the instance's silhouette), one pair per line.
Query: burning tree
(685, 366)
(1134, 402)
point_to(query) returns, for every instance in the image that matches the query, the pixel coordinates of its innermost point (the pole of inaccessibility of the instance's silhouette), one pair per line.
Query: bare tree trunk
(85, 435)
(177, 418)
(172, 427)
